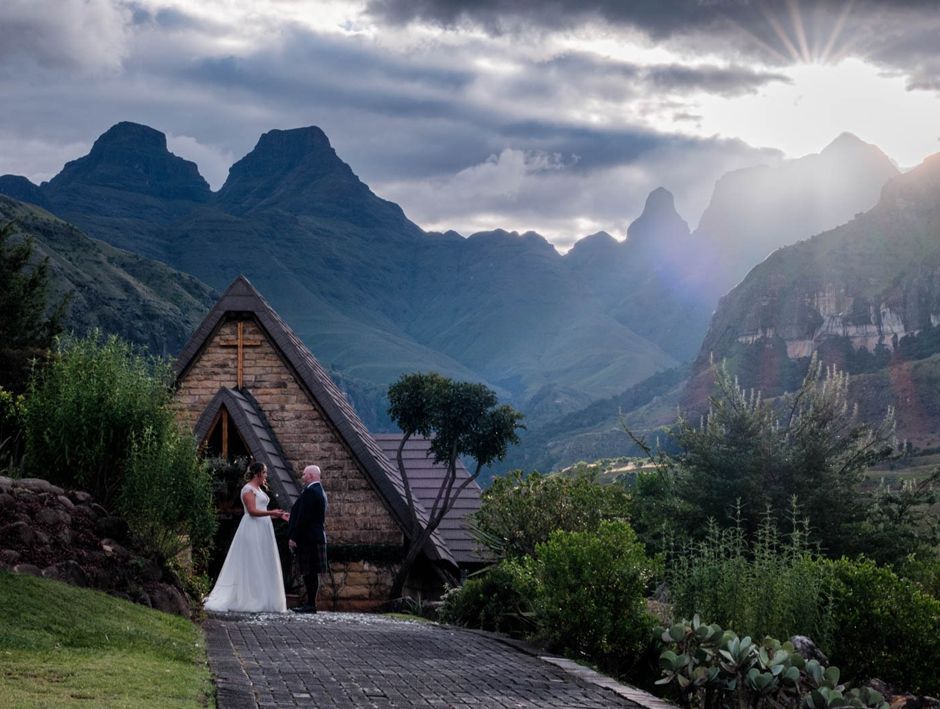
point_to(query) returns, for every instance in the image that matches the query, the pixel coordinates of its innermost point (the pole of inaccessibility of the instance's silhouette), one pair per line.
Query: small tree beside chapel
(461, 419)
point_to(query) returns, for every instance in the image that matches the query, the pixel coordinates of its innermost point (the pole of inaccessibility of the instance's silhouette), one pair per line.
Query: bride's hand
(285, 516)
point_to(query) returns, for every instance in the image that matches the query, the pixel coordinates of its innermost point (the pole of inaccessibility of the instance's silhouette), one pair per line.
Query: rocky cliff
(865, 296)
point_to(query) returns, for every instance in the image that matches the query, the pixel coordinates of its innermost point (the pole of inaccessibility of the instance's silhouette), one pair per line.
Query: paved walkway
(359, 660)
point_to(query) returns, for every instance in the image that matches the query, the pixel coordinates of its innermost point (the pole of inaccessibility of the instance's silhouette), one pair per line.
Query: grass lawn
(67, 646)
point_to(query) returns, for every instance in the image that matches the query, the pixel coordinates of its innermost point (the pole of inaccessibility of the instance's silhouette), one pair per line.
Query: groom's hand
(292, 544)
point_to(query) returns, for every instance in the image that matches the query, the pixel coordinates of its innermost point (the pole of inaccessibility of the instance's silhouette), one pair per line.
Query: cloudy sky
(553, 115)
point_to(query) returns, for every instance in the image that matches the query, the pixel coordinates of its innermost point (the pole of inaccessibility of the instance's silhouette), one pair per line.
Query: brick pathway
(357, 660)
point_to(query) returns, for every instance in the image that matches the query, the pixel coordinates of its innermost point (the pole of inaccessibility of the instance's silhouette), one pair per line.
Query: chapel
(249, 388)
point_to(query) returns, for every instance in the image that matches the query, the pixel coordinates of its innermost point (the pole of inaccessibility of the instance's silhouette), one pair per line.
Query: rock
(898, 700)
(71, 538)
(113, 549)
(151, 570)
(85, 511)
(168, 599)
(27, 569)
(39, 485)
(79, 497)
(67, 571)
(53, 518)
(808, 650)
(909, 701)
(112, 527)
(883, 688)
(18, 534)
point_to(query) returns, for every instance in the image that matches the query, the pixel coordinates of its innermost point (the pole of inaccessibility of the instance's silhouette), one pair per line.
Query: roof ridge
(239, 405)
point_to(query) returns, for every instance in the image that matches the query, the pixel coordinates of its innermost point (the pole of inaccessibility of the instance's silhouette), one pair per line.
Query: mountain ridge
(374, 295)
(367, 289)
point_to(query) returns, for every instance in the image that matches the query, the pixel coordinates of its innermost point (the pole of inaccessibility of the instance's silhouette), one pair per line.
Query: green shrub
(923, 571)
(885, 627)
(99, 418)
(592, 599)
(811, 443)
(519, 512)
(771, 586)
(12, 412)
(705, 666)
(167, 483)
(498, 599)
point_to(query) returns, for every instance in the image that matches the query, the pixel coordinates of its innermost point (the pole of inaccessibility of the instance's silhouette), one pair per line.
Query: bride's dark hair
(254, 469)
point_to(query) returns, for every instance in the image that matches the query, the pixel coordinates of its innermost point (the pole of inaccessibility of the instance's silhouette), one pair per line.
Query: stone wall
(66, 536)
(357, 514)
(356, 585)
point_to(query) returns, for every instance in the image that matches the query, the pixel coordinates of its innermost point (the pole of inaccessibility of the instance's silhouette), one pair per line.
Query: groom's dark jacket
(307, 517)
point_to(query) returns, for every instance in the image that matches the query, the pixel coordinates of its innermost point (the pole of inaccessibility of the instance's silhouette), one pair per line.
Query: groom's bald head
(311, 474)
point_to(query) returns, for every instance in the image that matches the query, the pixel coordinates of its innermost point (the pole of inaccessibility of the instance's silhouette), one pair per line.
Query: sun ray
(796, 20)
(781, 33)
(836, 31)
(757, 40)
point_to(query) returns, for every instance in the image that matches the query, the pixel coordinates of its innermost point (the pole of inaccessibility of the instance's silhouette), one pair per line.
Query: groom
(307, 536)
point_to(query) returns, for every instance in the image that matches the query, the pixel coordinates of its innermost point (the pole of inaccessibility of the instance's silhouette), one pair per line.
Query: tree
(460, 419)
(100, 418)
(809, 444)
(521, 511)
(28, 325)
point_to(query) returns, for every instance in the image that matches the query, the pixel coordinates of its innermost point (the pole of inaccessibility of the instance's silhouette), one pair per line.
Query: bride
(250, 580)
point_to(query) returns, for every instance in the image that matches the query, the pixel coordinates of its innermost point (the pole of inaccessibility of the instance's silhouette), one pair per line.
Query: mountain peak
(659, 221)
(130, 136)
(593, 247)
(133, 158)
(660, 201)
(297, 171)
(20, 188)
(307, 139)
(284, 166)
(845, 141)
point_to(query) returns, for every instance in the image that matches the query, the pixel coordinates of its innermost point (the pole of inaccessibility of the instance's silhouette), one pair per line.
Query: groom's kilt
(311, 559)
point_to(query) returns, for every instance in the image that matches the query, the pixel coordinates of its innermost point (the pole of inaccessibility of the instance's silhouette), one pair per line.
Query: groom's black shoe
(305, 609)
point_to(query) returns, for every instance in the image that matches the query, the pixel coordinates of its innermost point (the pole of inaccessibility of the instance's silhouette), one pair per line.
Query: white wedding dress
(250, 580)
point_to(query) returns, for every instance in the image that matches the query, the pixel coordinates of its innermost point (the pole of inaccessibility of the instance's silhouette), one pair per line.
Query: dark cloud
(462, 130)
(726, 81)
(659, 18)
(77, 37)
(909, 46)
(774, 31)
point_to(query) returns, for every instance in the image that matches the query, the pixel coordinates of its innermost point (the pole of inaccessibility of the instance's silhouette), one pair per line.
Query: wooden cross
(240, 343)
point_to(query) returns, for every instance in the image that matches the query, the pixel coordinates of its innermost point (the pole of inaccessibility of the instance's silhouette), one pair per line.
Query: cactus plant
(709, 667)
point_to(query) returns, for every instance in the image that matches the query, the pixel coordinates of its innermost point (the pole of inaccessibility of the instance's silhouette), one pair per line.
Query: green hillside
(138, 298)
(63, 646)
